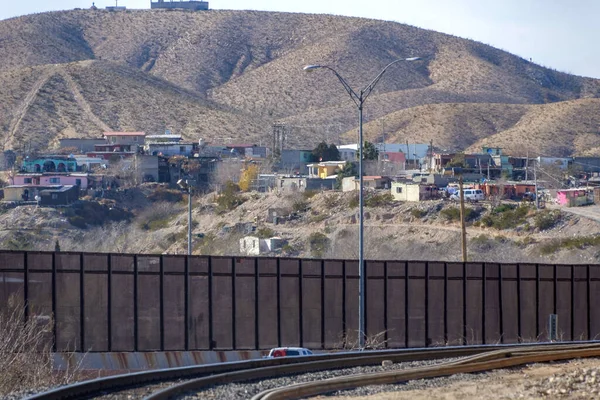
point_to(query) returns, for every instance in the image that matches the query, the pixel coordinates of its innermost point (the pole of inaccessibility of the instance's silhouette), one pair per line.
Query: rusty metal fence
(123, 302)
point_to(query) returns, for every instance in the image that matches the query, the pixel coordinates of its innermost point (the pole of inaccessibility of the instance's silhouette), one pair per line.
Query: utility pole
(537, 200)
(463, 229)
(430, 168)
(526, 166)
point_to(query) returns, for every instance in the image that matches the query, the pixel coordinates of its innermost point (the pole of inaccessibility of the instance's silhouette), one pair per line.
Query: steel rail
(480, 353)
(124, 381)
(485, 362)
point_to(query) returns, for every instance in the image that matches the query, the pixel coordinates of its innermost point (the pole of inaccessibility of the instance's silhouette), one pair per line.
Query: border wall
(123, 302)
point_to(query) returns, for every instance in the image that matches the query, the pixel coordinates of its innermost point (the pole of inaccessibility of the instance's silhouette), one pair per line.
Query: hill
(229, 75)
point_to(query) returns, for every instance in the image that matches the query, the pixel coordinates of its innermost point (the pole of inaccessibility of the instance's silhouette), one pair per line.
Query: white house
(254, 246)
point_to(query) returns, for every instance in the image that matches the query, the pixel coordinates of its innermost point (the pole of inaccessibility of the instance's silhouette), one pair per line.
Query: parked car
(470, 195)
(288, 352)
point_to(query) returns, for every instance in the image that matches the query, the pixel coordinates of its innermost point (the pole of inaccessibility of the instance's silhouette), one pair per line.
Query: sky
(559, 34)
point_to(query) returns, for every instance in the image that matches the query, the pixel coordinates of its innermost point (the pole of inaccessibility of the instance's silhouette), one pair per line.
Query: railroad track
(193, 379)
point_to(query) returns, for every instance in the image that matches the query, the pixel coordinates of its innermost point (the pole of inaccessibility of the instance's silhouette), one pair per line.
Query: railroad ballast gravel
(245, 390)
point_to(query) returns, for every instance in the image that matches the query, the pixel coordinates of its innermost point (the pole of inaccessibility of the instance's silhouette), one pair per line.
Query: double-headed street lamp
(359, 99)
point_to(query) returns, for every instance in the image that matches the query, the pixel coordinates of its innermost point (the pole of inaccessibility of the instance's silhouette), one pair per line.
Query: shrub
(451, 213)
(309, 194)
(570, 243)
(546, 219)
(353, 203)
(26, 351)
(482, 242)
(265, 232)
(77, 222)
(331, 200)
(378, 200)
(318, 244)
(229, 198)
(168, 195)
(300, 205)
(158, 216)
(506, 217)
(318, 218)
(418, 213)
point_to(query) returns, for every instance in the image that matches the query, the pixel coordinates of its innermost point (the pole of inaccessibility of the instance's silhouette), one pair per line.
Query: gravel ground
(247, 390)
(576, 379)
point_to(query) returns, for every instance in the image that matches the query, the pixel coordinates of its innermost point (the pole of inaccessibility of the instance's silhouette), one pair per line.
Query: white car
(470, 195)
(288, 352)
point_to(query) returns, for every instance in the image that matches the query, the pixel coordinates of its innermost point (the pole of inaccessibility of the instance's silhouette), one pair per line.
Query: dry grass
(25, 352)
(228, 75)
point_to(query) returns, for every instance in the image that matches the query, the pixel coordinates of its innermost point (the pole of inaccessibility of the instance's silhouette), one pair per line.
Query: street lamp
(359, 99)
(184, 184)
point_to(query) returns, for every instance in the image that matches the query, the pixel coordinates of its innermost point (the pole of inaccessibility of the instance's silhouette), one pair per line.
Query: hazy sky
(555, 33)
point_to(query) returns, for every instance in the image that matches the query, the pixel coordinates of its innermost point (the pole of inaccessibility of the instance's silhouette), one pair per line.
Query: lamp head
(309, 68)
(412, 59)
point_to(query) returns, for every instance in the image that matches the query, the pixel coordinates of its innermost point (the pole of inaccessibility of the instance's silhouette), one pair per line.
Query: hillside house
(49, 164)
(302, 183)
(39, 179)
(506, 190)
(248, 150)
(168, 145)
(325, 169)
(574, 197)
(53, 195)
(351, 183)
(295, 161)
(118, 145)
(83, 145)
(254, 246)
(403, 191)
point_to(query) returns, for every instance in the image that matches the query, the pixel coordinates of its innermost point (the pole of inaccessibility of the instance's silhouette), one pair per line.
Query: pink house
(81, 180)
(574, 197)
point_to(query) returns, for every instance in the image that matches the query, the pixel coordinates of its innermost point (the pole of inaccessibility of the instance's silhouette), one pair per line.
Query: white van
(470, 195)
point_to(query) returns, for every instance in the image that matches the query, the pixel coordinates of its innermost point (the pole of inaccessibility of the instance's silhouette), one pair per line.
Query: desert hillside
(227, 76)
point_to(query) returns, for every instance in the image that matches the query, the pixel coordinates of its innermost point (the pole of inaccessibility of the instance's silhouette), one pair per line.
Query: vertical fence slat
(323, 304)
(233, 308)
(500, 303)
(161, 303)
(256, 319)
(278, 264)
(82, 302)
(211, 337)
(25, 286)
(135, 304)
(572, 302)
(483, 302)
(588, 303)
(109, 301)
(519, 323)
(344, 326)
(426, 304)
(300, 305)
(464, 302)
(537, 301)
(186, 303)
(54, 305)
(385, 303)
(406, 316)
(445, 302)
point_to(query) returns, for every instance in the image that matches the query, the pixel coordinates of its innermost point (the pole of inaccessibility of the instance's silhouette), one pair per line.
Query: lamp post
(359, 99)
(184, 184)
